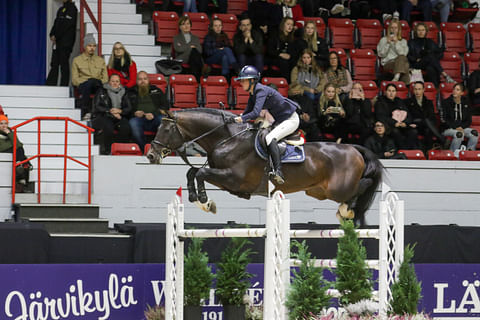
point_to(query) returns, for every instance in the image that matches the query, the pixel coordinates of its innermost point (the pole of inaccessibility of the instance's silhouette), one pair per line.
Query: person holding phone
(381, 143)
(359, 116)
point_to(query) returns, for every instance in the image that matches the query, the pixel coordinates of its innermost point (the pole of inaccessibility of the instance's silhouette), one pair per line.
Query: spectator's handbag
(416, 75)
(168, 67)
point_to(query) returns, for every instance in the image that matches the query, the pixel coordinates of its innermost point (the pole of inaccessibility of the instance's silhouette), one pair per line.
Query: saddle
(291, 147)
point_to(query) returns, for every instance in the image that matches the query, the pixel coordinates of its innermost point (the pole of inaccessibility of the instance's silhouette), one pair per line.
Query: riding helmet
(248, 72)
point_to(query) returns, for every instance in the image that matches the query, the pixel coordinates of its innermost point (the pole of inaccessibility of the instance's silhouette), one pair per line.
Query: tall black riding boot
(276, 175)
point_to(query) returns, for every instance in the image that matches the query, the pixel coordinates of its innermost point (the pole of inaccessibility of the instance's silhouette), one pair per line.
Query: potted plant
(233, 280)
(198, 279)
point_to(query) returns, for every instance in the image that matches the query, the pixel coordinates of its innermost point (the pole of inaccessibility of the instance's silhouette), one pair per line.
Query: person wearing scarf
(111, 110)
(121, 63)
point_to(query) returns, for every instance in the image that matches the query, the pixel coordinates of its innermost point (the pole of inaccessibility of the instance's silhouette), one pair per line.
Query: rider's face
(245, 83)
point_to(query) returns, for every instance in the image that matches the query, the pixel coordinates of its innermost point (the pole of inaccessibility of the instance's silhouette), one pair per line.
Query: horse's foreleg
(216, 176)
(192, 191)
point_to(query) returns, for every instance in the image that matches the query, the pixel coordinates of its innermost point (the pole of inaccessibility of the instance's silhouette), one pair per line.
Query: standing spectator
(423, 115)
(314, 42)
(281, 51)
(188, 48)
(290, 9)
(217, 48)
(359, 116)
(334, 7)
(189, 5)
(388, 9)
(148, 102)
(111, 110)
(248, 44)
(260, 12)
(422, 5)
(458, 119)
(393, 50)
(62, 36)
(425, 54)
(339, 75)
(392, 110)
(360, 9)
(381, 143)
(442, 6)
(222, 5)
(121, 63)
(474, 86)
(89, 72)
(331, 112)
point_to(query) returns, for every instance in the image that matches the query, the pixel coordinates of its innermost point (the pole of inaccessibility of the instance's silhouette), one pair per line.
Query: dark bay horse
(347, 174)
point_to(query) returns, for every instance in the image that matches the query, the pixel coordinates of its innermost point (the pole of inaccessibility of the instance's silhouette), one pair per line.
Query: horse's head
(167, 139)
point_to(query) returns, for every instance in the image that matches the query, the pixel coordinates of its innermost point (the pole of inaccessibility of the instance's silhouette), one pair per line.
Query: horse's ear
(167, 113)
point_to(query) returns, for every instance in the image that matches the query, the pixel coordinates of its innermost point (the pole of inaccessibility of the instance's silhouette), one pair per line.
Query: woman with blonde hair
(318, 45)
(392, 51)
(121, 63)
(337, 74)
(331, 112)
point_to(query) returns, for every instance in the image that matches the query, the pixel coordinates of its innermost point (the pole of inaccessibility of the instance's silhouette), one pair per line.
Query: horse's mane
(217, 112)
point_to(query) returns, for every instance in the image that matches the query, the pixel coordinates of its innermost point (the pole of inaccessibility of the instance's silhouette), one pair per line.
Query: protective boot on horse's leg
(276, 174)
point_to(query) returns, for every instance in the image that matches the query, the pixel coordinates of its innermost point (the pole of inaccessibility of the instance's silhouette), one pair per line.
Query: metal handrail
(97, 23)
(65, 156)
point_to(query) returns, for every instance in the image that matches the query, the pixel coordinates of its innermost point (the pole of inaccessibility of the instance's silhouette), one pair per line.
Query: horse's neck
(192, 131)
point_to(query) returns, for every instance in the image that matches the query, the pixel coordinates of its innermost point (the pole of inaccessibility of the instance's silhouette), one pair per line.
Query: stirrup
(277, 177)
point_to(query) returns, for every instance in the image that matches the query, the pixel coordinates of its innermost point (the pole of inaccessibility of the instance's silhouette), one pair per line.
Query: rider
(282, 109)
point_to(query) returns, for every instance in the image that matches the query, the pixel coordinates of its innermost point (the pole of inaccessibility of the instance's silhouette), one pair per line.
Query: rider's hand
(238, 119)
(230, 120)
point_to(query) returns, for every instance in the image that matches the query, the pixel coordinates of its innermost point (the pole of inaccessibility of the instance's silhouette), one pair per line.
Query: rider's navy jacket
(265, 97)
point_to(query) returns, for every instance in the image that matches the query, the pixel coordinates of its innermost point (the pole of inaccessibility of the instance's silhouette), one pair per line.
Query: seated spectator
(260, 12)
(338, 75)
(423, 115)
(6, 146)
(290, 9)
(188, 48)
(111, 111)
(248, 44)
(392, 110)
(381, 143)
(473, 83)
(330, 7)
(217, 48)
(425, 54)
(392, 51)
(222, 6)
(331, 112)
(458, 119)
(421, 5)
(388, 9)
(148, 103)
(359, 116)
(281, 51)
(89, 72)
(121, 63)
(443, 7)
(315, 43)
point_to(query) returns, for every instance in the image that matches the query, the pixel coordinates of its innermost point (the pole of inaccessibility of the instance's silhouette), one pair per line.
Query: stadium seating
(321, 27)
(342, 54)
(200, 23)
(433, 32)
(239, 97)
(363, 64)
(183, 89)
(281, 83)
(237, 7)
(147, 148)
(453, 37)
(413, 154)
(446, 90)
(402, 90)
(369, 88)
(166, 25)
(341, 33)
(405, 28)
(368, 33)
(471, 60)
(430, 93)
(158, 79)
(441, 155)
(452, 65)
(474, 37)
(230, 23)
(214, 90)
(469, 155)
(126, 149)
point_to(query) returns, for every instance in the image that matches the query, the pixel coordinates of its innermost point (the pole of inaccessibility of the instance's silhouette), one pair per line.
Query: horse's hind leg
(192, 191)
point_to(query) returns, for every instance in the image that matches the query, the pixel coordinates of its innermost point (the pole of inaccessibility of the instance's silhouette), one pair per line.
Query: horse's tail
(371, 178)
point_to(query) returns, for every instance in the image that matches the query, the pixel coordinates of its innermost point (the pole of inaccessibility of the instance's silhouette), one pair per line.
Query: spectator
(423, 115)
(334, 7)
(62, 36)
(121, 63)
(89, 72)
(188, 48)
(248, 44)
(338, 75)
(458, 119)
(222, 5)
(393, 50)
(331, 112)
(308, 7)
(388, 9)
(189, 5)
(381, 143)
(318, 45)
(359, 116)
(425, 54)
(442, 6)
(474, 86)
(111, 110)
(6, 146)
(217, 48)
(260, 12)
(422, 5)
(148, 103)
(359, 9)
(281, 51)
(392, 110)
(290, 9)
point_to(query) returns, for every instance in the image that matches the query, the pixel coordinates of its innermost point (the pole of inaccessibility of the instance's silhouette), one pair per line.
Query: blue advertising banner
(123, 291)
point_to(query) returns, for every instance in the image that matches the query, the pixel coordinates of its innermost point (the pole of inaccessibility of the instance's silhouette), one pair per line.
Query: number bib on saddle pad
(289, 153)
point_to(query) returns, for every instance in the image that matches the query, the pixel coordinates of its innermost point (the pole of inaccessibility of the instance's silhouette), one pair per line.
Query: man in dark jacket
(248, 44)
(62, 36)
(148, 103)
(474, 87)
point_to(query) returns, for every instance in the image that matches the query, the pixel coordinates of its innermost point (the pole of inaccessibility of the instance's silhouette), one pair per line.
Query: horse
(346, 174)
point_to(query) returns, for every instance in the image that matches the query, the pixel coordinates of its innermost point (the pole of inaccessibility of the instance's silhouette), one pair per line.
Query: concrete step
(117, 28)
(28, 113)
(56, 175)
(76, 138)
(141, 60)
(49, 126)
(51, 198)
(135, 50)
(64, 211)
(118, 18)
(94, 3)
(42, 102)
(74, 150)
(128, 39)
(73, 225)
(147, 69)
(79, 188)
(121, 8)
(92, 235)
(33, 91)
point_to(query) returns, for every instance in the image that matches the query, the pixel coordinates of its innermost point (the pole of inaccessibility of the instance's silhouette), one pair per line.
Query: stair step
(28, 113)
(94, 3)
(121, 8)
(59, 211)
(41, 102)
(33, 91)
(136, 50)
(74, 225)
(147, 69)
(51, 198)
(74, 150)
(76, 138)
(73, 175)
(49, 126)
(91, 235)
(118, 18)
(57, 164)
(141, 60)
(117, 28)
(129, 39)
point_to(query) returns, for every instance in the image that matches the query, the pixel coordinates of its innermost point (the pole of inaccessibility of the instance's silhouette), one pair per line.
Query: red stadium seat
(405, 28)
(321, 27)
(369, 88)
(183, 91)
(158, 79)
(166, 25)
(363, 64)
(281, 84)
(446, 90)
(402, 90)
(453, 37)
(469, 155)
(230, 23)
(368, 33)
(471, 60)
(475, 120)
(413, 154)
(237, 7)
(239, 96)
(342, 54)
(441, 155)
(200, 23)
(474, 36)
(214, 90)
(432, 30)
(341, 33)
(147, 148)
(126, 149)
(452, 65)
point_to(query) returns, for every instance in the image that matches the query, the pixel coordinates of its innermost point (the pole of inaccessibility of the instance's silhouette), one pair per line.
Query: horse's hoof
(339, 217)
(203, 198)
(192, 197)
(350, 214)
(212, 207)
(342, 209)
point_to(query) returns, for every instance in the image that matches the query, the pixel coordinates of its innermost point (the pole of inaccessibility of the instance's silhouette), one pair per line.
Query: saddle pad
(289, 154)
